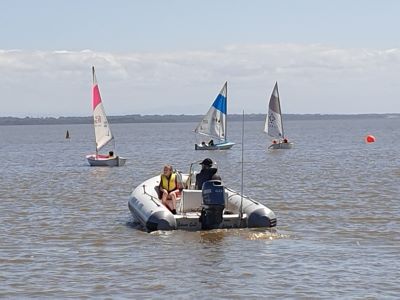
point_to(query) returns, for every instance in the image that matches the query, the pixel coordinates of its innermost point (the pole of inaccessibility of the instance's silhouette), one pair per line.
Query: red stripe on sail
(96, 96)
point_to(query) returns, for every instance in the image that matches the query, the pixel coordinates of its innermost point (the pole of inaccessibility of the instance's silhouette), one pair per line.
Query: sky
(173, 56)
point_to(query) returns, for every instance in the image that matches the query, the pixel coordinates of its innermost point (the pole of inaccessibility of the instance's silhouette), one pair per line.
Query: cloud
(313, 78)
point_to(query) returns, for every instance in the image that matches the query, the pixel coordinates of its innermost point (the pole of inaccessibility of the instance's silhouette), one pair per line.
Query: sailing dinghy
(213, 125)
(103, 133)
(274, 124)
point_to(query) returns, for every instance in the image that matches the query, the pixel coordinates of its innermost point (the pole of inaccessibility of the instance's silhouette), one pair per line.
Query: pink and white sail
(101, 127)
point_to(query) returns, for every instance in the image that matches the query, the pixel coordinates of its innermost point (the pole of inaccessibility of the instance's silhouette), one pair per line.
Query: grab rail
(238, 194)
(151, 196)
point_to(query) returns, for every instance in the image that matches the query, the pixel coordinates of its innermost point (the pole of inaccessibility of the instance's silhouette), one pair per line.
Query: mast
(95, 140)
(241, 186)
(226, 116)
(280, 110)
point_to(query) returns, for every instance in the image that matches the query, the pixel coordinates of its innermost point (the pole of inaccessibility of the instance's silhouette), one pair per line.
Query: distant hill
(178, 118)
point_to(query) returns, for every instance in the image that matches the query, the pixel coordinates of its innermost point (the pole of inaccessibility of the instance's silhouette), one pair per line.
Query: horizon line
(194, 115)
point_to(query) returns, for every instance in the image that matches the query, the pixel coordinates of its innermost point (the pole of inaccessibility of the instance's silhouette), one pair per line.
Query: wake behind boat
(103, 133)
(274, 123)
(214, 124)
(214, 206)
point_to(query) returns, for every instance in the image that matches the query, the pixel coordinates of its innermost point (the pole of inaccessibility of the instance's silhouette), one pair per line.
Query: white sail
(214, 122)
(101, 127)
(273, 122)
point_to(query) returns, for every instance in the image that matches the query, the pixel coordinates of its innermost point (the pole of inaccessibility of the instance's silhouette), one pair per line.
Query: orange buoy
(369, 139)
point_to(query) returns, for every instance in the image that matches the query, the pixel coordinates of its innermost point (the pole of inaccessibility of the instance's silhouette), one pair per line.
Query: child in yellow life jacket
(169, 188)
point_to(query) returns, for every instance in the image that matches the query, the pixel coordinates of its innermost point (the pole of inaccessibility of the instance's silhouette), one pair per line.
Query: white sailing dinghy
(274, 124)
(213, 125)
(103, 133)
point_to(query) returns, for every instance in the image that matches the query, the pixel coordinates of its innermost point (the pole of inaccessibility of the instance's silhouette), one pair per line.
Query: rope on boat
(151, 196)
(238, 194)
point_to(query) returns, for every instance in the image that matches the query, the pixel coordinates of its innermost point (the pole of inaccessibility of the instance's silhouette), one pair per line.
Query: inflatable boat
(214, 206)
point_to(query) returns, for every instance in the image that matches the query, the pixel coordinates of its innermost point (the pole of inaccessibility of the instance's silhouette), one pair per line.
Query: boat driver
(208, 172)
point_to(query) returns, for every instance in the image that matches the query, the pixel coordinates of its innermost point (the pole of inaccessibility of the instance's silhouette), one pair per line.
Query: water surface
(66, 231)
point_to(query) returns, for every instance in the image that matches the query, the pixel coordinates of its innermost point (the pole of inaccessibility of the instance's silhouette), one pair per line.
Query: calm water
(66, 231)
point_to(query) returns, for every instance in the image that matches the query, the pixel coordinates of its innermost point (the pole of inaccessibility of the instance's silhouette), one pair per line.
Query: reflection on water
(212, 236)
(266, 235)
(67, 232)
(217, 235)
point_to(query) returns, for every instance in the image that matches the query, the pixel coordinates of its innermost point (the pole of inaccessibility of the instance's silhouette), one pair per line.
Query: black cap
(207, 162)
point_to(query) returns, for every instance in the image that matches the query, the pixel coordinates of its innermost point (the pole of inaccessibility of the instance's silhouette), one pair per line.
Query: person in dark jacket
(208, 172)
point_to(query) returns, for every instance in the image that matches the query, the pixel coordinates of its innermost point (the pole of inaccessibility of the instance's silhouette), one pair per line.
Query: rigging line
(241, 187)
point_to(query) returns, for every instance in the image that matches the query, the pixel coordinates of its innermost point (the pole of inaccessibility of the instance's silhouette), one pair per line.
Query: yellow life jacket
(169, 185)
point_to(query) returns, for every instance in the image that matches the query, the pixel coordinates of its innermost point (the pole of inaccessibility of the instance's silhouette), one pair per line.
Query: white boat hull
(220, 146)
(99, 161)
(281, 146)
(148, 210)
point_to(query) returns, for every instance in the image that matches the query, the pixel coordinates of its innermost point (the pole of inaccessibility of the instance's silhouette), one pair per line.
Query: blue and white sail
(273, 122)
(214, 122)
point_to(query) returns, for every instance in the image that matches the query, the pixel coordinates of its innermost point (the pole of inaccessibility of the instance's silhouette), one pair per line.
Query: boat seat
(190, 200)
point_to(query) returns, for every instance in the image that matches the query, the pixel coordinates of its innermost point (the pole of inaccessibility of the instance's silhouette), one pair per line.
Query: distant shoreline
(180, 118)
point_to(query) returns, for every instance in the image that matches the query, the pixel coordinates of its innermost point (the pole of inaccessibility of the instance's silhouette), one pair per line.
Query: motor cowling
(213, 204)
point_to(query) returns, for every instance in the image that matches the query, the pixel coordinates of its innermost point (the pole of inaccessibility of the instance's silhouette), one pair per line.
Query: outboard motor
(213, 204)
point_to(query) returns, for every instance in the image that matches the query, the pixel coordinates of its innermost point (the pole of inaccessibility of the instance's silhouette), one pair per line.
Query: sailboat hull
(220, 146)
(105, 161)
(281, 146)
